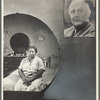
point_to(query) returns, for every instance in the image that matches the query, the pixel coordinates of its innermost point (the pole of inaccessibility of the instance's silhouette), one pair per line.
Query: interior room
(21, 31)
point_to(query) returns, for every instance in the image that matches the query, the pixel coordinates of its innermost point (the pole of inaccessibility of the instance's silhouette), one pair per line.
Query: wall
(33, 28)
(76, 77)
(50, 12)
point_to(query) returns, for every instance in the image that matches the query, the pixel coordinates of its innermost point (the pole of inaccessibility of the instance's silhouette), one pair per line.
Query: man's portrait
(81, 19)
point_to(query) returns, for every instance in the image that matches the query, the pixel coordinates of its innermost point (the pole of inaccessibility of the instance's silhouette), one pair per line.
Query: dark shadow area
(24, 96)
(19, 43)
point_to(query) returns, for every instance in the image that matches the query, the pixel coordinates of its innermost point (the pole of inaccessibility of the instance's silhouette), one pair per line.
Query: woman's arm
(34, 77)
(41, 70)
(21, 74)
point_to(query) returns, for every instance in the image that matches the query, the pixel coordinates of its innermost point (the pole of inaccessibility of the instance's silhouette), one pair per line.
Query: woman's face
(31, 53)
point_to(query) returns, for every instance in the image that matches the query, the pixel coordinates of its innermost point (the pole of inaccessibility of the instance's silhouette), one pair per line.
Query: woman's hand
(27, 81)
(24, 79)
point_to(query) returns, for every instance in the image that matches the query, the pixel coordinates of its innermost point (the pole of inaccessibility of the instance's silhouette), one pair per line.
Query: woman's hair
(33, 47)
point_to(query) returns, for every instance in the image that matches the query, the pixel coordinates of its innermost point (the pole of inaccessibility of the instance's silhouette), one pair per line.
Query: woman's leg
(35, 85)
(20, 86)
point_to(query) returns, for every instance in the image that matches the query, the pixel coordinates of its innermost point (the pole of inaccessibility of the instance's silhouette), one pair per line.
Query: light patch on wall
(41, 38)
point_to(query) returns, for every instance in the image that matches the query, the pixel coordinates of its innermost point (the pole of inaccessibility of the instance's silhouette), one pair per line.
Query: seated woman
(30, 71)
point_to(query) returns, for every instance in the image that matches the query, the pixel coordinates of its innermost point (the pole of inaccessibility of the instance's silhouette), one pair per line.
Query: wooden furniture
(11, 64)
(47, 61)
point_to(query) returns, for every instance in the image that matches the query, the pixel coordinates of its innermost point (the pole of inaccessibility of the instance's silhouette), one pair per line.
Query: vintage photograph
(31, 53)
(41, 58)
(79, 18)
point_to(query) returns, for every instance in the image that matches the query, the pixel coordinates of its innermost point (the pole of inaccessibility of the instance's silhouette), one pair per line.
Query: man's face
(79, 14)
(31, 53)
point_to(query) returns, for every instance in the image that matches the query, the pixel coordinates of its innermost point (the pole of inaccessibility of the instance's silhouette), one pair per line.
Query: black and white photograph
(31, 50)
(49, 49)
(79, 18)
(28, 52)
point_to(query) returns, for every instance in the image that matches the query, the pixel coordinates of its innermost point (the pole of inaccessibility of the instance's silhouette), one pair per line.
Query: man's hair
(84, 2)
(33, 47)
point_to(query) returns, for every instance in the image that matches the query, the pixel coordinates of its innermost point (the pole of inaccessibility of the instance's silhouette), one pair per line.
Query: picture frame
(77, 76)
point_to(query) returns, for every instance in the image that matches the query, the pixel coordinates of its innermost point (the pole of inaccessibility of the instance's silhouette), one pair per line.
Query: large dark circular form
(19, 43)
